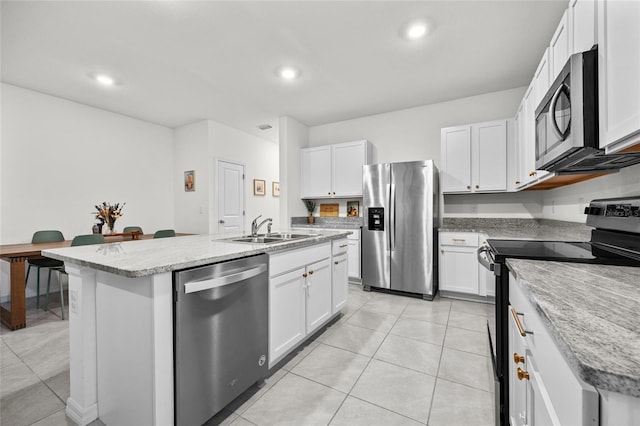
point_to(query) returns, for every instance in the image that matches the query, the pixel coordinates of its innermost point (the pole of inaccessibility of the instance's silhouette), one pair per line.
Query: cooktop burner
(558, 251)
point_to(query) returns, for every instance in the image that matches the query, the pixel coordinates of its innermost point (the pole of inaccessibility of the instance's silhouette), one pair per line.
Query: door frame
(215, 200)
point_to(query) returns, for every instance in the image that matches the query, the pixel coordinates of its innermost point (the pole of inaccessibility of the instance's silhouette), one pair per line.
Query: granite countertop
(328, 222)
(521, 229)
(147, 257)
(592, 314)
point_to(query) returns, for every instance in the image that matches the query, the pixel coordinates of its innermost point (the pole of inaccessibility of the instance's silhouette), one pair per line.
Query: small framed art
(190, 181)
(275, 189)
(259, 187)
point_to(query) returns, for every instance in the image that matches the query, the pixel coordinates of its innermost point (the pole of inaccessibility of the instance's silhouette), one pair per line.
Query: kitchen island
(121, 319)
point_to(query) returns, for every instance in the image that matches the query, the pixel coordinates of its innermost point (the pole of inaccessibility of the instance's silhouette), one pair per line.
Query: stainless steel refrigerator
(399, 236)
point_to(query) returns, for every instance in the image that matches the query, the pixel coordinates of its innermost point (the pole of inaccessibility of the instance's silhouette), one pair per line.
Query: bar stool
(46, 236)
(164, 233)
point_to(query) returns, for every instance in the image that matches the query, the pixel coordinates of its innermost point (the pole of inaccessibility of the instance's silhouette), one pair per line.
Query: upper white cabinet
(582, 21)
(474, 157)
(559, 48)
(541, 79)
(333, 170)
(618, 71)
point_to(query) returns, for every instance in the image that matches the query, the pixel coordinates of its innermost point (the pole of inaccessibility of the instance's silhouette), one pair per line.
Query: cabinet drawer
(339, 246)
(467, 239)
(355, 235)
(299, 257)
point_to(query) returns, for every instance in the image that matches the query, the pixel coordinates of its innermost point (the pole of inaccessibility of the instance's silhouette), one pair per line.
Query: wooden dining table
(17, 256)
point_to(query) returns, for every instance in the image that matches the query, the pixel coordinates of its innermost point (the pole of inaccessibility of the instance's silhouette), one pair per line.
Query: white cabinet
(318, 292)
(474, 157)
(299, 296)
(541, 79)
(340, 264)
(353, 253)
(554, 395)
(315, 164)
(333, 170)
(458, 263)
(582, 21)
(618, 71)
(559, 48)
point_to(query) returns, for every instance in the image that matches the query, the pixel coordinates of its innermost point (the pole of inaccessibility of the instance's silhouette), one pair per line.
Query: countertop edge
(244, 251)
(589, 374)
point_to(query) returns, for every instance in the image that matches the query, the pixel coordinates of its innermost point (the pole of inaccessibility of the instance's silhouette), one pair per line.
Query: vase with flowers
(311, 206)
(108, 213)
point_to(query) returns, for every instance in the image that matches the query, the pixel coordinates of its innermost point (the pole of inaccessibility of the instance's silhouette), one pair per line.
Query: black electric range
(614, 241)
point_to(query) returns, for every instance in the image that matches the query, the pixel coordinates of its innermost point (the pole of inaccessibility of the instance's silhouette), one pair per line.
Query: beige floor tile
(467, 340)
(241, 421)
(15, 375)
(254, 393)
(465, 368)
(373, 320)
(386, 304)
(295, 401)
(332, 367)
(59, 418)
(29, 405)
(476, 308)
(403, 391)
(455, 404)
(428, 332)
(435, 312)
(355, 412)
(355, 339)
(409, 353)
(468, 321)
(59, 384)
(300, 354)
(7, 357)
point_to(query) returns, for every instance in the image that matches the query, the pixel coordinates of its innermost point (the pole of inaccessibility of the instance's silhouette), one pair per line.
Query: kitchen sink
(277, 237)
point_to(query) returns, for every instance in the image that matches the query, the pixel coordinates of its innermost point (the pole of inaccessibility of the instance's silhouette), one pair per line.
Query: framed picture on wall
(353, 208)
(190, 181)
(275, 189)
(259, 187)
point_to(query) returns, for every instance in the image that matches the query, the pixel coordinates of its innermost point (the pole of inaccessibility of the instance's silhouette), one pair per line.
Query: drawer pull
(521, 329)
(522, 374)
(517, 359)
(336, 262)
(344, 245)
(517, 182)
(459, 240)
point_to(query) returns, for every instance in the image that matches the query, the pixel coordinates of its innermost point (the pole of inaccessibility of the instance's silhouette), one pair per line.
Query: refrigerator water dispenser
(376, 218)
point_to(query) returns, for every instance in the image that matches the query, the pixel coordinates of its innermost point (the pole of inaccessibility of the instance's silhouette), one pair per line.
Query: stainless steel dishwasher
(221, 335)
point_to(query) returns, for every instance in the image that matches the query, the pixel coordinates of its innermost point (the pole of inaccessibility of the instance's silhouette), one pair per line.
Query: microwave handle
(552, 113)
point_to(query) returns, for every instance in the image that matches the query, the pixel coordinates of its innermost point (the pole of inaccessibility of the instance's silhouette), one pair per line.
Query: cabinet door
(286, 313)
(540, 411)
(459, 269)
(339, 282)
(315, 172)
(348, 159)
(519, 133)
(456, 159)
(618, 71)
(318, 286)
(559, 48)
(582, 21)
(353, 252)
(517, 387)
(489, 155)
(541, 79)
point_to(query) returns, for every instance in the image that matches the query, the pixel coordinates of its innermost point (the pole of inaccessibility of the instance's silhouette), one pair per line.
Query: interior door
(230, 197)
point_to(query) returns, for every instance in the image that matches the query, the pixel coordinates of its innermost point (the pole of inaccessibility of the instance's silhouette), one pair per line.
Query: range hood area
(591, 160)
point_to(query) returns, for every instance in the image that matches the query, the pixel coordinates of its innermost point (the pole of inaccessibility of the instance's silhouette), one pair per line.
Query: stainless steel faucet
(255, 226)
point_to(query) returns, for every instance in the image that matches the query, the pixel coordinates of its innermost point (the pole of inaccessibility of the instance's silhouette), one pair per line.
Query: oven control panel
(619, 214)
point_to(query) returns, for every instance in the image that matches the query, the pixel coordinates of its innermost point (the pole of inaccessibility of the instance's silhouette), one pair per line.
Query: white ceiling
(183, 61)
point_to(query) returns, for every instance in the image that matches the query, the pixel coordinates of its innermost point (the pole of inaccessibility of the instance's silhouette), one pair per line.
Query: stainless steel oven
(614, 241)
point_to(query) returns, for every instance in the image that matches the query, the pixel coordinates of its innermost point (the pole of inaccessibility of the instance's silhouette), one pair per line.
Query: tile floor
(389, 360)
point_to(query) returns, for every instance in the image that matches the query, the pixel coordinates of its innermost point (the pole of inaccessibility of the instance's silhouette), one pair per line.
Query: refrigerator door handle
(392, 217)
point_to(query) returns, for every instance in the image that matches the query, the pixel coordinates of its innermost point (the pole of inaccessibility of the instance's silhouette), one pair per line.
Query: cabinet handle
(517, 359)
(532, 173)
(442, 251)
(328, 193)
(336, 262)
(522, 374)
(521, 329)
(311, 272)
(477, 186)
(517, 182)
(468, 186)
(304, 275)
(460, 240)
(343, 245)
(334, 193)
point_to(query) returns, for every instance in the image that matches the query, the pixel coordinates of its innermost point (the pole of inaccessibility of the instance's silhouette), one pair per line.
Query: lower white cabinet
(543, 390)
(460, 272)
(307, 287)
(353, 251)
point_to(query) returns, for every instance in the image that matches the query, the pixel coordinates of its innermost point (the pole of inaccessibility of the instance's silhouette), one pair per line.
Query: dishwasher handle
(211, 283)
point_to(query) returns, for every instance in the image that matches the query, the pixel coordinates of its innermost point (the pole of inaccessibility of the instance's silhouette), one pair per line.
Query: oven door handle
(484, 254)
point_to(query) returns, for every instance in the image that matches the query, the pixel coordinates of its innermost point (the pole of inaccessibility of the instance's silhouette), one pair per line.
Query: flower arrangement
(108, 213)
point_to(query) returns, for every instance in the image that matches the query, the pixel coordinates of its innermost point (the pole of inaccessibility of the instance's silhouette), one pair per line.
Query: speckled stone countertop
(328, 222)
(526, 229)
(592, 314)
(147, 257)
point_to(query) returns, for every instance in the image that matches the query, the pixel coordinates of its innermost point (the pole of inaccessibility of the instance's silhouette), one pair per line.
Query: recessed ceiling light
(104, 79)
(415, 30)
(288, 73)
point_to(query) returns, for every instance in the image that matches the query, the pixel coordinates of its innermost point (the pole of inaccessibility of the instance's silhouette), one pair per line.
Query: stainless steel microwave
(567, 117)
(567, 122)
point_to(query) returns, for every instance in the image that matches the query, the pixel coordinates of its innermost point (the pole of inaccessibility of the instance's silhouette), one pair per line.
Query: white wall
(198, 146)
(293, 136)
(414, 134)
(59, 158)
